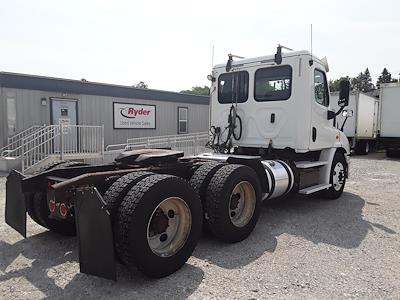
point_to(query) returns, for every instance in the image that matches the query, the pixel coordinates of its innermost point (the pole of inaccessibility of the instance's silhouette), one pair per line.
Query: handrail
(18, 135)
(60, 141)
(14, 146)
(191, 143)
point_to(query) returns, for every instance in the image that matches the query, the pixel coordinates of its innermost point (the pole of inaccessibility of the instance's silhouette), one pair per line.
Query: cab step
(310, 164)
(314, 188)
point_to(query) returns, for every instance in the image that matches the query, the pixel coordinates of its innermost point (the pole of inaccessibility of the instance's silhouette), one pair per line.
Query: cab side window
(321, 88)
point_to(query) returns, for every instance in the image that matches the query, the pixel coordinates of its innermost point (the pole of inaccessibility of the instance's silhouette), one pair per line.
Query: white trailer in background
(390, 119)
(362, 128)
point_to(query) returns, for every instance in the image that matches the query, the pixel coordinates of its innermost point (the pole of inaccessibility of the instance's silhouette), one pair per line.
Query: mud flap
(95, 237)
(15, 203)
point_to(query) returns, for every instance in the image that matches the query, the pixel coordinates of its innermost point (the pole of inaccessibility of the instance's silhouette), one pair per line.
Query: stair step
(314, 188)
(310, 164)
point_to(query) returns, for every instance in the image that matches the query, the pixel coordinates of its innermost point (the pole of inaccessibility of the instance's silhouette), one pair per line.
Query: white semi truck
(362, 128)
(273, 134)
(389, 136)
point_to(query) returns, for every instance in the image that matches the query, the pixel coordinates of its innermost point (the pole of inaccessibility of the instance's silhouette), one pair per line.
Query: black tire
(202, 177)
(200, 181)
(333, 193)
(42, 212)
(217, 204)
(30, 208)
(117, 191)
(105, 185)
(392, 153)
(133, 218)
(362, 148)
(38, 210)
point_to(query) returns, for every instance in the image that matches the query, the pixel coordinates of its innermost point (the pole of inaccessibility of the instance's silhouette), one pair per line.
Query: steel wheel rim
(176, 213)
(242, 204)
(338, 176)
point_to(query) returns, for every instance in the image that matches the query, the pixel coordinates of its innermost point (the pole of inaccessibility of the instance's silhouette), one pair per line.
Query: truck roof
(269, 58)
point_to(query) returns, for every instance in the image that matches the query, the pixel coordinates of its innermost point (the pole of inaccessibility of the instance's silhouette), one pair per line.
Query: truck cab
(280, 106)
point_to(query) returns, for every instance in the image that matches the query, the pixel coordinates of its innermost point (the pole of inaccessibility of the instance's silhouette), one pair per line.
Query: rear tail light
(52, 205)
(63, 210)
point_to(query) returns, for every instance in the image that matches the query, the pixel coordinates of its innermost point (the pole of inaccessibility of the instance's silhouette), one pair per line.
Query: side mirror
(344, 93)
(228, 66)
(331, 114)
(347, 113)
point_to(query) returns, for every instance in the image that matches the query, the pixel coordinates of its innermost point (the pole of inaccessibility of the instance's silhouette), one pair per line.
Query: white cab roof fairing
(268, 59)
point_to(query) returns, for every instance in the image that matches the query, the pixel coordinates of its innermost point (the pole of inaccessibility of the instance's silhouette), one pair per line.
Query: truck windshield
(273, 83)
(233, 87)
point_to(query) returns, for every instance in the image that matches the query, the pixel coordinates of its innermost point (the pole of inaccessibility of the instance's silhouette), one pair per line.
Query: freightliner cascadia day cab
(389, 136)
(362, 129)
(272, 134)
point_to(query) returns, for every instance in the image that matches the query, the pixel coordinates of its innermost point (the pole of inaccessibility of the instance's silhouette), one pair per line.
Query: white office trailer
(389, 118)
(362, 127)
(94, 115)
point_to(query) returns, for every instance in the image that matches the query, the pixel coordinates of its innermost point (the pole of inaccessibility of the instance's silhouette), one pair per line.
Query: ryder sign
(134, 116)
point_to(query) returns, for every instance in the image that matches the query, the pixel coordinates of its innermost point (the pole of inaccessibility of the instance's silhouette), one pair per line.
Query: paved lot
(302, 248)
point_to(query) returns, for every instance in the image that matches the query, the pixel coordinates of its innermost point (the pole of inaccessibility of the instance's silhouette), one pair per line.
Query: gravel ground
(301, 248)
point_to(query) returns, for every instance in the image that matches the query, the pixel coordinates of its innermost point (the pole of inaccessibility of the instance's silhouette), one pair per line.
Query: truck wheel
(37, 208)
(42, 212)
(201, 179)
(105, 185)
(392, 153)
(362, 148)
(337, 177)
(232, 205)
(117, 191)
(159, 224)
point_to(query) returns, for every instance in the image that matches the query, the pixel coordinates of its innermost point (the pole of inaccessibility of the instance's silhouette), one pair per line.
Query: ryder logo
(135, 116)
(131, 113)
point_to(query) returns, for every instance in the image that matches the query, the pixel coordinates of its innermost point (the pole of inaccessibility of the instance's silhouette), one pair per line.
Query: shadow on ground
(48, 250)
(339, 223)
(374, 156)
(335, 222)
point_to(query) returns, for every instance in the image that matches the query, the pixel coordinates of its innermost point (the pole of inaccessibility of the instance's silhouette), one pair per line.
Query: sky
(168, 44)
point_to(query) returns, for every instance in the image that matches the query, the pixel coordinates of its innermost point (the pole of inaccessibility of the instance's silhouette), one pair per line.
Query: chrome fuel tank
(280, 178)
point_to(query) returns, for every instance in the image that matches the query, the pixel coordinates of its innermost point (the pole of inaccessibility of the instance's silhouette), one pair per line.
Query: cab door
(323, 134)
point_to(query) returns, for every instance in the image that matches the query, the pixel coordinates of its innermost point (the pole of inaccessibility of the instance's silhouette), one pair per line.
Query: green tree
(363, 82)
(198, 90)
(385, 77)
(141, 85)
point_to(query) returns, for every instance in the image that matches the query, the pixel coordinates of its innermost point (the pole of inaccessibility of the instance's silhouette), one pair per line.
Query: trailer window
(321, 88)
(182, 120)
(233, 87)
(273, 83)
(11, 115)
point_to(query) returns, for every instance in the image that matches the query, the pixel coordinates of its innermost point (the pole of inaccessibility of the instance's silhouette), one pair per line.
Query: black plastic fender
(15, 202)
(95, 237)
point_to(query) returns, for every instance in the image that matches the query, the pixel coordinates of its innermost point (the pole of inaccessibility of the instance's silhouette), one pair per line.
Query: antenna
(212, 57)
(310, 62)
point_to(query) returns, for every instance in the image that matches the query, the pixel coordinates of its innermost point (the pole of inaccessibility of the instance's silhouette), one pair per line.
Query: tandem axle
(148, 207)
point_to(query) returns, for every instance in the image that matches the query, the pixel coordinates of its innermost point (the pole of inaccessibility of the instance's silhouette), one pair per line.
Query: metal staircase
(39, 145)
